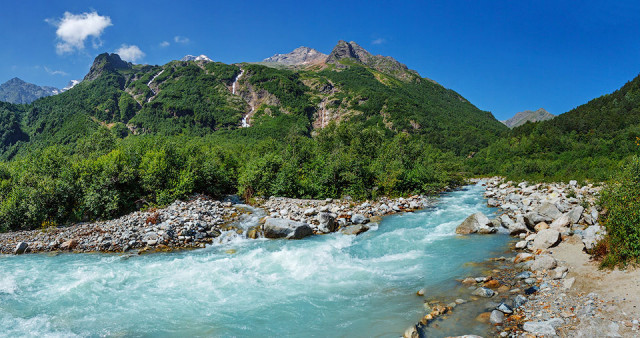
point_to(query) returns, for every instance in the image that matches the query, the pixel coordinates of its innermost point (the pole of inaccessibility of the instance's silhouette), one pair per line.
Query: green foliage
(621, 199)
(588, 142)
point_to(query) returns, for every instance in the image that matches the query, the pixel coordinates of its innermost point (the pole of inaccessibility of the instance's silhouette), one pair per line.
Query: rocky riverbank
(296, 218)
(548, 286)
(200, 221)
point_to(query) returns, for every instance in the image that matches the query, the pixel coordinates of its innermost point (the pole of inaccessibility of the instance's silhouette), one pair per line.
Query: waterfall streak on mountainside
(235, 82)
(149, 85)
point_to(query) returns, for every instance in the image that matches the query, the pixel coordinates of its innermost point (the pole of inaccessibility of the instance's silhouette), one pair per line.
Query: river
(331, 285)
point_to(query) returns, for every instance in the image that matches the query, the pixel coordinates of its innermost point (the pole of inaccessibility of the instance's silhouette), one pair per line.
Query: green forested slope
(588, 142)
(131, 136)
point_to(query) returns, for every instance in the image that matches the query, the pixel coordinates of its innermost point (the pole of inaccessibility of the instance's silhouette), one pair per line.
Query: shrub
(621, 199)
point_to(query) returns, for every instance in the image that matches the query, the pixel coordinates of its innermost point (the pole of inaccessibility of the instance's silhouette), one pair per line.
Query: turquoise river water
(333, 285)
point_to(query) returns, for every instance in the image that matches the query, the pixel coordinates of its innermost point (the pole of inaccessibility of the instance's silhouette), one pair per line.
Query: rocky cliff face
(528, 116)
(18, 91)
(106, 62)
(344, 52)
(299, 56)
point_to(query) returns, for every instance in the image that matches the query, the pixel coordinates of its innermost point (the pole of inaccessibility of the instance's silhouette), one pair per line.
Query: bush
(621, 200)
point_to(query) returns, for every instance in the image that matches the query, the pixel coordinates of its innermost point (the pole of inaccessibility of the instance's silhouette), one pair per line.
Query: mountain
(187, 97)
(132, 135)
(350, 52)
(18, 91)
(528, 116)
(587, 142)
(70, 85)
(201, 57)
(299, 56)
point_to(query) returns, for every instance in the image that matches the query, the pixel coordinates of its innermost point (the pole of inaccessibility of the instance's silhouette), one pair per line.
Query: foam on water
(324, 285)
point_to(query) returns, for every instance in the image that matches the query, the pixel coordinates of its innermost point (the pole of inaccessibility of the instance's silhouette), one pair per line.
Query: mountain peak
(350, 50)
(528, 116)
(299, 56)
(17, 90)
(106, 62)
(200, 57)
(386, 64)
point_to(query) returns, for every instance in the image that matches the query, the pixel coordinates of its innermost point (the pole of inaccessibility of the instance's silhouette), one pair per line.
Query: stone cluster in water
(296, 218)
(189, 224)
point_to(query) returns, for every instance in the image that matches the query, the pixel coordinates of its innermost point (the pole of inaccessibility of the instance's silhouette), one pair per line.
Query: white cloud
(181, 39)
(74, 29)
(55, 72)
(378, 41)
(130, 53)
(164, 44)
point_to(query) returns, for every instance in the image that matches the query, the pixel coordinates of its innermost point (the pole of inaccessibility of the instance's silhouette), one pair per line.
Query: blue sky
(504, 56)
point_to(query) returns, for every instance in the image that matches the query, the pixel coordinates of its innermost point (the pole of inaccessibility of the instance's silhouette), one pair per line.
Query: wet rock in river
(21, 248)
(475, 223)
(484, 292)
(284, 228)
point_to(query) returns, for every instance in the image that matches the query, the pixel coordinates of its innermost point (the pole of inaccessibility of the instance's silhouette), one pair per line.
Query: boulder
(355, 229)
(544, 262)
(514, 227)
(561, 222)
(546, 239)
(474, 223)
(547, 327)
(592, 235)
(21, 248)
(549, 210)
(69, 245)
(575, 214)
(359, 219)
(546, 212)
(492, 202)
(541, 226)
(327, 222)
(285, 228)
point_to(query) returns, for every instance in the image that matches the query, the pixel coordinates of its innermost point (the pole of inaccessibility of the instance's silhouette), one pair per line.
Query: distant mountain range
(299, 56)
(528, 116)
(19, 91)
(201, 57)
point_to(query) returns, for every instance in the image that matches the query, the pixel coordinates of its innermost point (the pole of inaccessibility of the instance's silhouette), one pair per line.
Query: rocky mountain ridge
(299, 56)
(200, 57)
(20, 92)
(528, 116)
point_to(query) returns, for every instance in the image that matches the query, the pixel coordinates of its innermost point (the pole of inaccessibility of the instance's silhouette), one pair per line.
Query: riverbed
(329, 285)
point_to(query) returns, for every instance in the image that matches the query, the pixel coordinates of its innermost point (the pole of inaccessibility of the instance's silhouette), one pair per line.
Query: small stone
(519, 300)
(421, 292)
(484, 292)
(568, 283)
(496, 317)
(504, 308)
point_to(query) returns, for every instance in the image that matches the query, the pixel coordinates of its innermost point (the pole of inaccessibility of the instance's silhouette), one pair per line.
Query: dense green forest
(589, 142)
